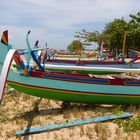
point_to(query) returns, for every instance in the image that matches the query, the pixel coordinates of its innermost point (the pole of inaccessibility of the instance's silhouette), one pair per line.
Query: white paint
(5, 70)
(92, 68)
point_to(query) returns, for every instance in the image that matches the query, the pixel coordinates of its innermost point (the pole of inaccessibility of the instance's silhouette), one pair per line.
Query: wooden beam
(47, 128)
(124, 42)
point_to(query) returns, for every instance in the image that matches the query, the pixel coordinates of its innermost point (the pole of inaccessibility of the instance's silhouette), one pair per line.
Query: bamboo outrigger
(34, 130)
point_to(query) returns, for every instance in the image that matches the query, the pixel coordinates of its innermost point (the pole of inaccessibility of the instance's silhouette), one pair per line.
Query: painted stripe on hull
(79, 87)
(101, 81)
(73, 92)
(84, 71)
(131, 83)
(73, 96)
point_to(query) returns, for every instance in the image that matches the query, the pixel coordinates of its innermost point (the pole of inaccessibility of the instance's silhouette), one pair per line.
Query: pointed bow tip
(29, 31)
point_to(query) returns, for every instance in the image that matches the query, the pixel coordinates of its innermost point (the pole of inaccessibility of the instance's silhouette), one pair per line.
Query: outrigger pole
(34, 130)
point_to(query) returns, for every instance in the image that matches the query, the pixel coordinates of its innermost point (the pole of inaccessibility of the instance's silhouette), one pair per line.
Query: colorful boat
(70, 66)
(118, 63)
(80, 88)
(89, 69)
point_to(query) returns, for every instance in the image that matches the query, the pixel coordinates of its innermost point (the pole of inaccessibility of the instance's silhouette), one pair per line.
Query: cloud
(60, 19)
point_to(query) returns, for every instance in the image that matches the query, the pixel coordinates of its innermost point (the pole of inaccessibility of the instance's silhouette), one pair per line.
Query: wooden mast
(124, 42)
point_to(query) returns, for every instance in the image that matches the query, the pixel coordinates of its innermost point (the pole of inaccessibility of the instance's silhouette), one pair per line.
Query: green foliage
(113, 35)
(132, 124)
(88, 37)
(76, 46)
(115, 30)
(136, 18)
(129, 125)
(117, 110)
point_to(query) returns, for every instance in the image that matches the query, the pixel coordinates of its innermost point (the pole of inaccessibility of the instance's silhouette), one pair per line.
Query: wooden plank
(47, 128)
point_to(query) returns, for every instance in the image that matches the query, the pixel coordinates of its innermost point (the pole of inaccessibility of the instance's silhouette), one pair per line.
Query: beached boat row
(81, 88)
(84, 66)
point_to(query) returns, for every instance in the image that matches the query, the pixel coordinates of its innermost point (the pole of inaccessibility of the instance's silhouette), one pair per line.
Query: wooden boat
(86, 66)
(119, 63)
(96, 63)
(81, 88)
(123, 63)
(81, 68)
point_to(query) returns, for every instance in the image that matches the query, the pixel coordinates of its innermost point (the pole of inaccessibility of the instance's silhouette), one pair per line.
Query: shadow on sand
(31, 115)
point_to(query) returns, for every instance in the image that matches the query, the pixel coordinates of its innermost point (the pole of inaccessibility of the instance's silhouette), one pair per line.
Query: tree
(134, 32)
(115, 31)
(136, 18)
(76, 46)
(89, 37)
(113, 34)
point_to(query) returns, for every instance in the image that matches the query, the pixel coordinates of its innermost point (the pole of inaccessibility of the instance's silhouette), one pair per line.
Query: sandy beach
(18, 112)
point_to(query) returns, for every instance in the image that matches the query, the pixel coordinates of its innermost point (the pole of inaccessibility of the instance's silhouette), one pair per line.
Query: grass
(117, 110)
(129, 125)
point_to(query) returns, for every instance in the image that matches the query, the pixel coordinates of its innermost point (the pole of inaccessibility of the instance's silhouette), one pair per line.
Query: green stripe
(77, 97)
(84, 71)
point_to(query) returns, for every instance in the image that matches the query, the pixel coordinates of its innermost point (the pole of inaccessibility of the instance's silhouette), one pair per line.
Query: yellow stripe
(4, 39)
(24, 71)
(72, 92)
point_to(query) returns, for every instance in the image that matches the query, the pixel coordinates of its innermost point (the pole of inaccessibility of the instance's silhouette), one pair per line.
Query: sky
(57, 21)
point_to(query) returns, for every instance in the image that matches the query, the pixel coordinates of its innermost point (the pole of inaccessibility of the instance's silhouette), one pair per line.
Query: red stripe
(119, 82)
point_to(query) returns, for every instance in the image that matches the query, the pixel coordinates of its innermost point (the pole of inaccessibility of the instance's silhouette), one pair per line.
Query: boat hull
(72, 96)
(76, 88)
(82, 71)
(88, 68)
(94, 63)
(67, 87)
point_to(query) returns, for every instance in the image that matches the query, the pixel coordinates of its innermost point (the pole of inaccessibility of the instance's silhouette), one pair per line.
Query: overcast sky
(56, 21)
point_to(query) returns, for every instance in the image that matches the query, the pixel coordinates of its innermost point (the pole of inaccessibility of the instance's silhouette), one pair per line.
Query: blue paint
(123, 61)
(22, 65)
(74, 86)
(72, 123)
(33, 50)
(102, 81)
(132, 83)
(29, 49)
(35, 59)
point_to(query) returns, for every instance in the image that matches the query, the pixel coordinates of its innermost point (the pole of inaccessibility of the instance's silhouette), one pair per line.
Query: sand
(18, 112)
